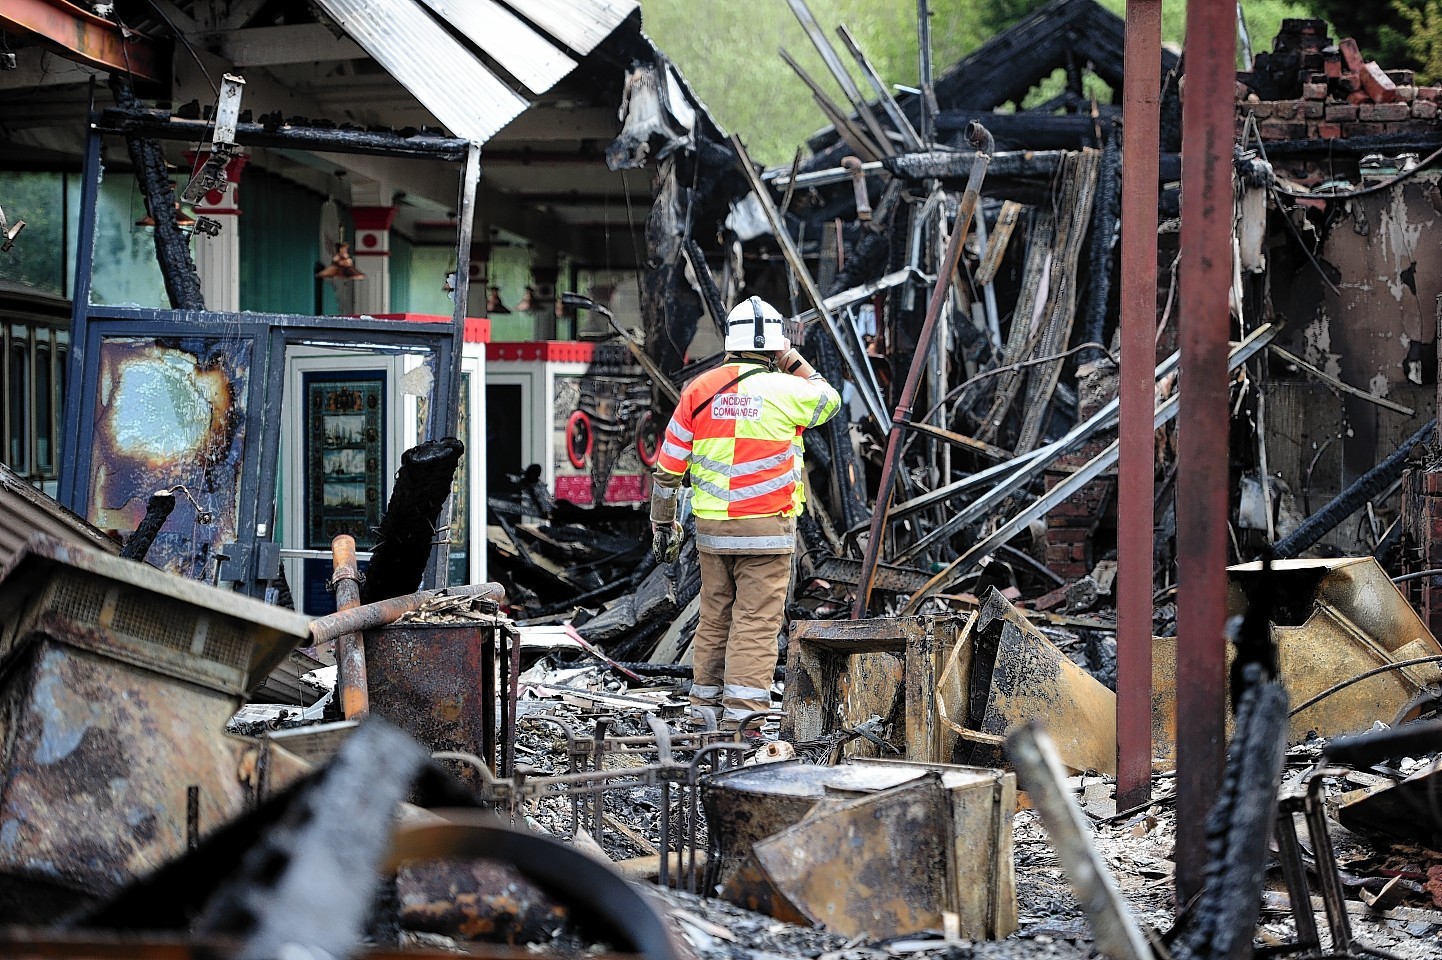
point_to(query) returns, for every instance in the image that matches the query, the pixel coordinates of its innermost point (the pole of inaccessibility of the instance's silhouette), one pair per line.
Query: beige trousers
(743, 604)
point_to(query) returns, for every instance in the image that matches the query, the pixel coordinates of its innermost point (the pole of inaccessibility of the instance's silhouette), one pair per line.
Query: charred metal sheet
(1017, 676)
(171, 413)
(132, 612)
(98, 759)
(402, 37)
(438, 683)
(477, 900)
(25, 511)
(1333, 620)
(867, 867)
(1164, 704)
(870, 847)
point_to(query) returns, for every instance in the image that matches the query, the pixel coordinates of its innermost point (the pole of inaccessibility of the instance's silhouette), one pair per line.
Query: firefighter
(737, 431)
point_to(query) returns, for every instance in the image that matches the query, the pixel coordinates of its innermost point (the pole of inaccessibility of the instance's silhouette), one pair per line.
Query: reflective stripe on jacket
(743, 446)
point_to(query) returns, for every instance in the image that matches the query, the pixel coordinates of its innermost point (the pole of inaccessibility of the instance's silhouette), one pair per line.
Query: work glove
(666, 541)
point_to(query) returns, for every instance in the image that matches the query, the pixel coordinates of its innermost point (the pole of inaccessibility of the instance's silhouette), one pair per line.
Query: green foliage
(728, 50)
(1380, 29)
(1425, 42)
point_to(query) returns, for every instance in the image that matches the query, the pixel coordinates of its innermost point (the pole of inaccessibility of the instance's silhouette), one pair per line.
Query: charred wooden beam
(1006, 165)
(157, 511)
(1039, 131)
(1103, 237)
(172, 247)
(408, 529)
(277, 132)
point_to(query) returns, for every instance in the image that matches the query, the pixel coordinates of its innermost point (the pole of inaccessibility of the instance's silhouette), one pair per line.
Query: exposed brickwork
(1421, 547)
(1333, 93)
(1385, 112)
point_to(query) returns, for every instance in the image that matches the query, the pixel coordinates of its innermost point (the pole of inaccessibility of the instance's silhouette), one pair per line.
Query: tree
(1380, 29)
(1425, 43)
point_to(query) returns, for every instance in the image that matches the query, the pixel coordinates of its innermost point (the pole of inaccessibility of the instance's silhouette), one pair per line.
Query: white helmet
(754, 324)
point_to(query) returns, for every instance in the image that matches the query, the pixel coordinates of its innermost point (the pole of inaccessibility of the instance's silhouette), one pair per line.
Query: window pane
(19, 407)
(44, 411)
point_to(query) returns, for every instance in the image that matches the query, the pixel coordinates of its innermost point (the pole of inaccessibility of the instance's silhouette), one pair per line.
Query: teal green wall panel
(280, 246)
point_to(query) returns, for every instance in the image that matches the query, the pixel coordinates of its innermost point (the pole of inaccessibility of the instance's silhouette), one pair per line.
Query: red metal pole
(1141, 105)
(1205, 277)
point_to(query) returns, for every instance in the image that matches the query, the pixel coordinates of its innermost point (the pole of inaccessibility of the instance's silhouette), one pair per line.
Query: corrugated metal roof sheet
(508, 39)
(25, 511)
(579, 24)
(442, 74)
(448, 78)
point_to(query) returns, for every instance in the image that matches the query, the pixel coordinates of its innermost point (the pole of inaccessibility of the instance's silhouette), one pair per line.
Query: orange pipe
(350, 651)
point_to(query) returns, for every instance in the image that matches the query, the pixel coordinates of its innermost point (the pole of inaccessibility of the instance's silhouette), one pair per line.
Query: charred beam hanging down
(1104, 226)
(1142, 108)
(710, 293)
(408, 529)
(939, 295)
(1206, 243)
(157, 511)
(172, 249)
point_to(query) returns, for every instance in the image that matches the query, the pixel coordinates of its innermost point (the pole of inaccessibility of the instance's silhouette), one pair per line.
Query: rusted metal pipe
(1141, 110)
(982, 140)
(358, 619)
(852, 166)
(1205, 276)
(350, 651)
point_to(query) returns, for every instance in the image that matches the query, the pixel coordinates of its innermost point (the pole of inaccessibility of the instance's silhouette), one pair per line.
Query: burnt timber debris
(488, 766)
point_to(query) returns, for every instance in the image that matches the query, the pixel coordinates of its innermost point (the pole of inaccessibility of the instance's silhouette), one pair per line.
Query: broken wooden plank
(1025, 319)
(1080, 174)
(997, 244)
(1279, 901)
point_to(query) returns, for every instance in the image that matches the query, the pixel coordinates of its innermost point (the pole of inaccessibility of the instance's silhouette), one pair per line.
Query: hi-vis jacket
(737, 428)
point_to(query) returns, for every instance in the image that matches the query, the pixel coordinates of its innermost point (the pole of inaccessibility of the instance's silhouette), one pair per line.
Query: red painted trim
(478, 329)
(373, 218)
(549, 351)
(374, 253)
